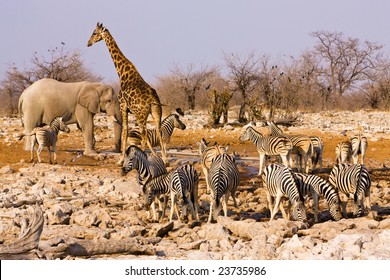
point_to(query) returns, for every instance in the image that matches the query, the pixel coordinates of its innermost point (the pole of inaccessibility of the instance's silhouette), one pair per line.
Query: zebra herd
(279, 180)
(223, 178)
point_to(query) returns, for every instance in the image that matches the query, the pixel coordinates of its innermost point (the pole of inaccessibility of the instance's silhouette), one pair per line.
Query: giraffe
(135, 95)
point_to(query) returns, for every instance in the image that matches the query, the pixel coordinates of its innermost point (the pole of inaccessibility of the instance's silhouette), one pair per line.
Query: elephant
(78, 102)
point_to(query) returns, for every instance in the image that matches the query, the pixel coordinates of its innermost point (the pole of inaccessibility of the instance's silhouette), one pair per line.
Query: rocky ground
(91, 211)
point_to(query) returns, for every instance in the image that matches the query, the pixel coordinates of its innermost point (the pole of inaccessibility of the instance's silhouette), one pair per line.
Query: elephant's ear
(89, 98)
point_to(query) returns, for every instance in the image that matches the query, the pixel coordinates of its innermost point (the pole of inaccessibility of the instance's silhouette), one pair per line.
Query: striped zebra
(182, 185)
(280, 183)
(207, 154)
(167, 126)
(302, 146)
(268, 146)
(343, 152)
(46, 136)
(359, 147)
(352, 181)
(318, 150)
(146, 166)
(315, 186)
(224, 179)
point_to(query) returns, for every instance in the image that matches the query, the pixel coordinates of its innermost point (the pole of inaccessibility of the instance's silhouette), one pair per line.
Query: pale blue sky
(155, 35)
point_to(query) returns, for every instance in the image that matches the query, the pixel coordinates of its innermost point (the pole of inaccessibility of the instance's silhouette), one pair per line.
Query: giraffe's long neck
(125, 68)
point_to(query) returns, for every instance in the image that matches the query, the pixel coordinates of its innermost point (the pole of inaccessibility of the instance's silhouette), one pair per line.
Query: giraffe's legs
(125, 129)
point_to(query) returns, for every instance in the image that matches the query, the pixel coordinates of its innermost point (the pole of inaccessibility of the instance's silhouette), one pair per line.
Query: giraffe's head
(97, 34)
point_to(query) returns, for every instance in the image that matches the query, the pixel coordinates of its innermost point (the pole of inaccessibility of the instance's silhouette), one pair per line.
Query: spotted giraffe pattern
(135, 94)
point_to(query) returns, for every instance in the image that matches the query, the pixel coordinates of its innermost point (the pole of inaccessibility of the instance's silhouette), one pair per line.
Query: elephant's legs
(85, 123)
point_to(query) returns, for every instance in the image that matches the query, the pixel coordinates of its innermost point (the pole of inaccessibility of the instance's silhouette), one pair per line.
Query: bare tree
(192, 81)
(60, 64)
(345, 61)
(243, 75)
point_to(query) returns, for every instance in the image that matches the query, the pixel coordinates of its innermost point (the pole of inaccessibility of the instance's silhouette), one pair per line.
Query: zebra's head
(246, 135)
(148, 197)
(335, 210)
(132, 156)
(177, 123)
(58, 124)
(202, 145)
(299, 211)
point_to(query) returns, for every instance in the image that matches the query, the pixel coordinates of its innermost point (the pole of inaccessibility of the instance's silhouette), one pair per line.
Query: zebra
(359, 147)
(208, 153)
(224, 179)
(146, 166)
(318, 150)
(315, 186)
(184, 191)
(280, 183)
(167, 126)
(343, 152)
(352, 181)
(302, 146)
(46, 136)
(268, 145)
(181, 184)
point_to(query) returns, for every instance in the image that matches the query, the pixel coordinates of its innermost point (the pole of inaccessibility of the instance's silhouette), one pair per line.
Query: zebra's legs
(39, 150)
(343, 203)
(275, 210)
(206, 174)
(32, 148)
(173, 206)
(315, 200)
(262, 162)
(225, 203)
(54, 152)
(285, 215)
(270, 202)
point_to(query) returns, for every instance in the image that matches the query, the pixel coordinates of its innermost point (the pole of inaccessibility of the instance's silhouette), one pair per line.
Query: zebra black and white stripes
(343, 152)
(359, 146)
(268, 146)
(280, 183)
(167, 126)
(207, 154)
(352, 181)
(302, 146)
(147, 167)
(224, 178)
(46, 136)
(315, 186)
(182, 185)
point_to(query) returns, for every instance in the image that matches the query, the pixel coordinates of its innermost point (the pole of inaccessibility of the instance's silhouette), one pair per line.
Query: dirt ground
(70, 145)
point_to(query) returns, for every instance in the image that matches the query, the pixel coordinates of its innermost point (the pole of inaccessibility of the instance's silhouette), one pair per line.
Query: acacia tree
(192, 81)
(345, 61)
(243, 75)
(60, 64)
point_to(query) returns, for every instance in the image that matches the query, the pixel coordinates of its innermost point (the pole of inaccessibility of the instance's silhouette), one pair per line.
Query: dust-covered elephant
(78, 102)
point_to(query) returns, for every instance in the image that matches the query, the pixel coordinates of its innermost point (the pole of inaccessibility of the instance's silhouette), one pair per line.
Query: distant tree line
(338, 72)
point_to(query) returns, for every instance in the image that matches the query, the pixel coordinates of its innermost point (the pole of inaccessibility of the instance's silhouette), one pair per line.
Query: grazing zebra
(167, 126)
(343, 152)
(315, 186)
(46, 137)
(268, 146)
(182, 184)
(280, 183)
(318, 150)
(184, 191)
(224, 179)
(207, 155)
(302, 146)
(352, 181)
(359, 147)
(147, 167)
